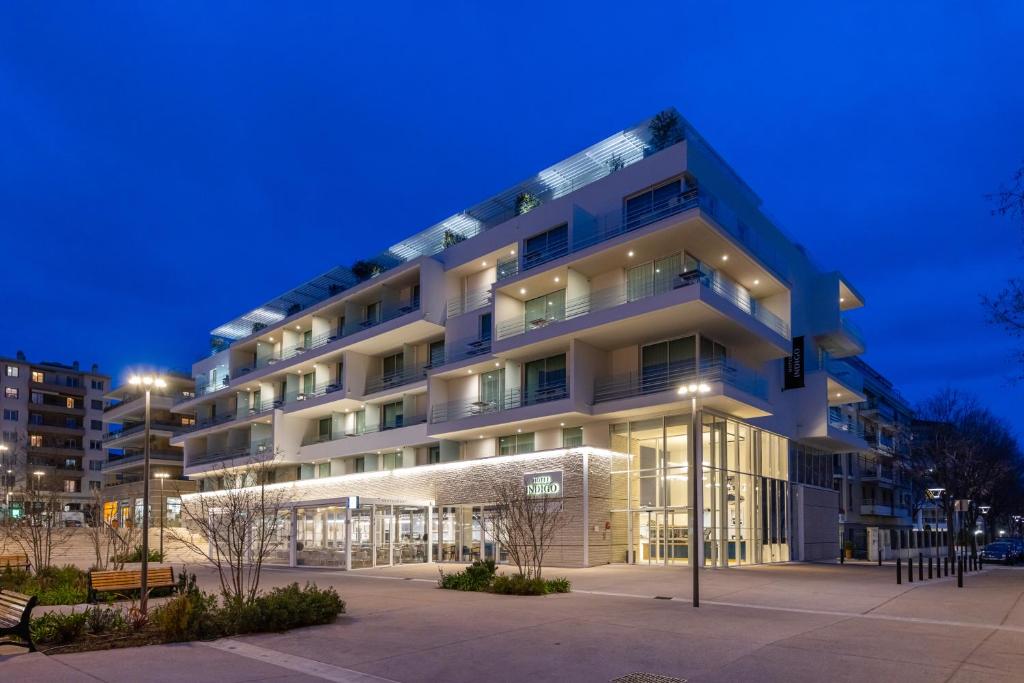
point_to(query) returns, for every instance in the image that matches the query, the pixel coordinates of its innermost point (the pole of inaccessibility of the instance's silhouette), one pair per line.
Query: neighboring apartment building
(124, 417)
(601, 331)
(51, 426)
(874, 488)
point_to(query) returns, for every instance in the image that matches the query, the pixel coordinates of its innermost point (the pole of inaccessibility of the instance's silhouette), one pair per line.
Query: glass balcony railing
(514, 398)
(467, 347)
(617, 296)
(845, 425)
(671, 377)
(140, 427)
(137, 458)
(177, 396)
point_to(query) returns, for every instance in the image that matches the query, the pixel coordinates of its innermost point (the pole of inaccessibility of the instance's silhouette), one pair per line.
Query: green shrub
(136, 556)
(284, 608)
(189, 616)
(101, 620)
(57, 628)
(65, 585)
(476, 577)
(559, 585)
(517, 584)
(13, 579)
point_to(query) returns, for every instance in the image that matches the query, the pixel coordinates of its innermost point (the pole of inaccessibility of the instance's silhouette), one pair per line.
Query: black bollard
(929, 567)
(910, 570)
(960, 573)
(945, 566)
(981, 562)
(899, 571)
(920, 567)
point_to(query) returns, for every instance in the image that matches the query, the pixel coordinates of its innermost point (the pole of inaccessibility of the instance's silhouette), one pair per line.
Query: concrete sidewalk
(792, 622)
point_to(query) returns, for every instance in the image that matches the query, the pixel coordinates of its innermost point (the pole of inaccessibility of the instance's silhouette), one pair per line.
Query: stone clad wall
(78, 548)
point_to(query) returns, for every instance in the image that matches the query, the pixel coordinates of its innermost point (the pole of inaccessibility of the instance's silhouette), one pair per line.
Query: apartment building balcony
(879, 411)
(845, 339)
(387, 435)
(387, 382)
(55, 429)
(56, 449)
(467, 348)
(680, 289)
(130, 403)
(135, 460)
(115, 439)
(468, 302)
(513, 405)
(61, 405)
(238, 456)
(880, 509)
(54, 382)
(302, 398)
(878, 473)
(240, 415)
(729, 387)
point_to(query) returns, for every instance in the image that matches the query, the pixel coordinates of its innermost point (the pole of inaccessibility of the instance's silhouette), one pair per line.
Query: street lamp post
(696, 473)
(147, 382)
(163, 510)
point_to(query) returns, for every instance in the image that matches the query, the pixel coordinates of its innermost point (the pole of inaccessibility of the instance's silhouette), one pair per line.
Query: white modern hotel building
(617, 322)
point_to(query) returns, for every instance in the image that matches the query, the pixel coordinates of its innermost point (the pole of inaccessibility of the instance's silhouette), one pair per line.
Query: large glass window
(515, 444)
(653, 277)
(542, 310)
(545, 380)
(491, 388)
(546, 246)
(649, 206)
(662, 363)
(392, 414)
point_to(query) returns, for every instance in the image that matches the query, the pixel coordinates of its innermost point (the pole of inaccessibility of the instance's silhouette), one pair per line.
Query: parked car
(1000, 551)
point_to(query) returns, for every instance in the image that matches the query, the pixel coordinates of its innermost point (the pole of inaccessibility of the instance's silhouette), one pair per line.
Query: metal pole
(696, 504)
(163, 511)
(144, 582)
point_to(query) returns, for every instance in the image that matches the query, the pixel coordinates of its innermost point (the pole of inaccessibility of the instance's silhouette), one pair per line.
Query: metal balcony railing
(395, 379)
(177, 396)
(471, 301)
(137, 458)
(140, 427)
(321, 389)
(671, 377)
(467, 347)
(619, 295)
(257, 450)
(508, 266)
(844, 425)
(514, 398)
(388, 425)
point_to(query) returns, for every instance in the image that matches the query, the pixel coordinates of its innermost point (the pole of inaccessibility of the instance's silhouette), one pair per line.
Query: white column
(586, 509)
(348, 539)
(430, 533)
(292, 552)
(696, 472)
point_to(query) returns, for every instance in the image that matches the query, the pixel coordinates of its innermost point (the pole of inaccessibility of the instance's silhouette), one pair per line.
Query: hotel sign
(543, 484)
(794, 373)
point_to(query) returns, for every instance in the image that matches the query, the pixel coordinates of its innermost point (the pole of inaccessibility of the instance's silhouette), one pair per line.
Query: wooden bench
(15, 617)
(19, 560)
(128, 580)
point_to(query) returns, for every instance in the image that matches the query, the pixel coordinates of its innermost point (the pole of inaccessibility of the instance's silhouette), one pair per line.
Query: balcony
(878, 473)
(241, 414)
(670, 378)
(136, 459)
(869, 506)
(845, 339)
(127, 398)
(398, 423)
(395, 379)
(257, 451)
(471, 301)
(618, 296)
(467, 347)
(510, 400)
(139, 428)
(322, 389)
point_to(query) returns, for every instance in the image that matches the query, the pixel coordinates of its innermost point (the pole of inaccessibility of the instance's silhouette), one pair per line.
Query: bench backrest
(131, 578)
(12, 559)
(14, 605)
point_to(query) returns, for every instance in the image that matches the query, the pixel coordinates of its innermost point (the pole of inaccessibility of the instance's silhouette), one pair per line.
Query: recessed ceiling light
(838, 394)
(483, 263)
(297, 327)
(271, 339)
(557, 279)
(480, 437)
(757, 282)
(522, 290)
(842, 299)
(469, 372)
(725, 257)
(512, 253)
(630, 254)
(561, 424)
(519, 431)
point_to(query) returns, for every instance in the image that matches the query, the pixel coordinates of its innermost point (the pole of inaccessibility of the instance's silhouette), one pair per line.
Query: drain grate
(644, 677)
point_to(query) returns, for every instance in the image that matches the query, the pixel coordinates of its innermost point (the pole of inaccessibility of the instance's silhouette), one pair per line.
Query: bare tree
(1006, 307)
(41, 526)
(111, 544)
(964, 449)
(237, 527)
(525, 526)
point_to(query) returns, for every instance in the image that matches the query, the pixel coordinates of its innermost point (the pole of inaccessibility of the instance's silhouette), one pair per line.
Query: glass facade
(745, 492)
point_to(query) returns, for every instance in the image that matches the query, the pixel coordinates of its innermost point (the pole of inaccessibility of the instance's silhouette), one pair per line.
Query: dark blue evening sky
(165, 167)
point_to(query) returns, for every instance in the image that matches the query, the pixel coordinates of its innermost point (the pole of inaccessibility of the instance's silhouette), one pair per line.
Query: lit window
(12, 370)
(37, 376)
(35, 440)
(70, 402)
(10, 392)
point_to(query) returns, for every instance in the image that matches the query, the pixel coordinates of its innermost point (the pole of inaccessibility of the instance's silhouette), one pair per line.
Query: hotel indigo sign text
(543, 483)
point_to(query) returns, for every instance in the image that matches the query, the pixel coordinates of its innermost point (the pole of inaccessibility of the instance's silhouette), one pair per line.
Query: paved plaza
(796, 622)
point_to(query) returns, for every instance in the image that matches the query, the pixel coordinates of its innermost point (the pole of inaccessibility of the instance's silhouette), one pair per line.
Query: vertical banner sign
(795, 366)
